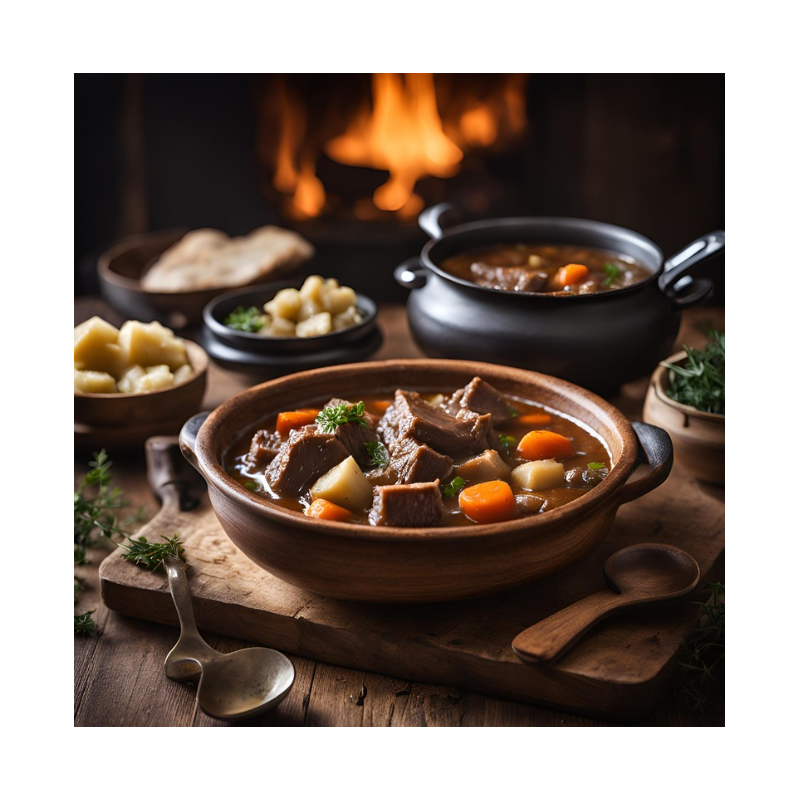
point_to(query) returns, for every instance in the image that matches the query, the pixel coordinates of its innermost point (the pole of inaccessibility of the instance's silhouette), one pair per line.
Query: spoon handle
(554, 635)
(191, 649)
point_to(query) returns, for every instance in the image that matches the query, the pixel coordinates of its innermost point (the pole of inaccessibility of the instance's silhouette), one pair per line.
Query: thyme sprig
(151, 554)
(330, 418)
(700, 380)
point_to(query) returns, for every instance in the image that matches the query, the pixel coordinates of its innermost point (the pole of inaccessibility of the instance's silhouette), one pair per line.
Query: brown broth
(588, 448)
(534, 267)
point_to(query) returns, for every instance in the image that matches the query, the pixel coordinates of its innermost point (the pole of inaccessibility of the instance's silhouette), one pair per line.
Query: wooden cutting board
(619, 671)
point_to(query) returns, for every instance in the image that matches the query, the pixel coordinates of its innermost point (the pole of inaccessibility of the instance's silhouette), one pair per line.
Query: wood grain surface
(119, 676)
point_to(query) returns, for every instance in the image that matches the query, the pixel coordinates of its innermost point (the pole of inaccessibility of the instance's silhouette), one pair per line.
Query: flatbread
(210, 259)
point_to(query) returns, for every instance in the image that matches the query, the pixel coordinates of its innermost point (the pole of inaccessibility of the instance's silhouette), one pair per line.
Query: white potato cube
(312, 289)
(285, 304)
(344, 485)
(96, 347)
(157, 377)
(346, 319)
(281, 327)
(318, 325)
(337, 301)
(151, 345)
(129, 382)
(87, 380)
(533, 475)
(182, 374)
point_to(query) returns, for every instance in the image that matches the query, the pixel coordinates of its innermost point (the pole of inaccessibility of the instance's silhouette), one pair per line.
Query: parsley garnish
(330, 418)
(506, 442)
(700, 380)
(454, 487)
(245, 319)
(596, 465)
(252, 486)
(378, 453)
(612, 272)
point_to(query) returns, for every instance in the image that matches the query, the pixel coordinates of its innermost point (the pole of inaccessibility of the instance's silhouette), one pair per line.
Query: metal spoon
(232, 685)
(642, 573)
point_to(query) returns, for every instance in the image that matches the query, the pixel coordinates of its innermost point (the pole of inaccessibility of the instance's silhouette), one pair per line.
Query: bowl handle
(430, 220)
(188, 437)
(655, 449)
(674, 276)
(411, 274)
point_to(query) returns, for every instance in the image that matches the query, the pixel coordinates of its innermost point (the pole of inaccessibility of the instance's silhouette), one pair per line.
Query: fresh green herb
(245, 319)
(85, 625)
(378, 453)
(702, 658)
(596, 465)
(454, 487)
(700, 380)
(612, 272)
(513, 411)
(151, 554)
(253, 486)
(507, 442)
(95, 502)
(330, 418)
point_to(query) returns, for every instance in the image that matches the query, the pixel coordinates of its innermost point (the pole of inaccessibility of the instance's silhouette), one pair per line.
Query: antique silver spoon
(232, 685)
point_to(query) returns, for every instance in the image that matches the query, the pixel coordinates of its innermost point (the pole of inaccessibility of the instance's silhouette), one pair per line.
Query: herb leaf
(330, 418)
(152, 554)
(454, 487)
(507, 442)
(612, 272)
(245, 319)
(378, 453)
(253, 486)
(94, 510)
(700, 380)
(513, 411)
(596, 465)
(84, 624)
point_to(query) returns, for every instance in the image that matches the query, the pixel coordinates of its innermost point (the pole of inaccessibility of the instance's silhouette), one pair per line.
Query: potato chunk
(87, 380)
(129, 382)
(344, 485)
(286, 304)
(182, 374)
(151, 345)
(158, 377)
(318, 325)
(533, 475)
(338, 300)
(281, 327)
(312, 288)
(96, 347)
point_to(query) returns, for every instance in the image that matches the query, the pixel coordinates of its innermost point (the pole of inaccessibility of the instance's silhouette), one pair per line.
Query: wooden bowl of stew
(356, 560)
(616, 321)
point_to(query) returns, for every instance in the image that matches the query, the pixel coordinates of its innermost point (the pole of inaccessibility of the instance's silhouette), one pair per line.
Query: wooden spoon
(642, 573)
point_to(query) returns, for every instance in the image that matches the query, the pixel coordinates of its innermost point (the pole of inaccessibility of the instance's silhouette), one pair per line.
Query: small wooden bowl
(415, 565)
(698, 436)
(148, 413)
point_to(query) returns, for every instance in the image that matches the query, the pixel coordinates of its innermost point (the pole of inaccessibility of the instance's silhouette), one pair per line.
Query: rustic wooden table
(119, 673)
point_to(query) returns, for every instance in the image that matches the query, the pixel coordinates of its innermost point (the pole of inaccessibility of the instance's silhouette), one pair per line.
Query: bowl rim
(575, 222)
(194, 352)
(222, 331)
(658, 382)
(210, 467)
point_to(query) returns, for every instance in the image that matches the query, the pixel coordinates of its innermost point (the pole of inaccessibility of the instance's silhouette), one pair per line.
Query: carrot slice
(378, 406)
(540, 445)
(540, 419)
(324, 509)
(289, 420)
(572, 274)
(492, 501)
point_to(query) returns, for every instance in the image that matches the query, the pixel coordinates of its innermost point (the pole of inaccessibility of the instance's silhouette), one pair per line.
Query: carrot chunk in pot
(492, 501)
(540, 445)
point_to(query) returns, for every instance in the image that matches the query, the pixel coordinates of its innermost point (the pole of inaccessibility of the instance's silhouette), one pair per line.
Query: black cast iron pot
(599, 341)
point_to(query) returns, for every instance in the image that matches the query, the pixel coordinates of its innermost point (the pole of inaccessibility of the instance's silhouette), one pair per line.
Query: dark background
(155, 152)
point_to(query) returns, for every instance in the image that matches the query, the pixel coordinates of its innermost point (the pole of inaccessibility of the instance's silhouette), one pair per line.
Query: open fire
(408, 127)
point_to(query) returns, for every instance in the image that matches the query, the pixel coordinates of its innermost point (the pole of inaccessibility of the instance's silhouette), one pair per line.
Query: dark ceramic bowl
(215, 313)
(596, 340)
(410, 565)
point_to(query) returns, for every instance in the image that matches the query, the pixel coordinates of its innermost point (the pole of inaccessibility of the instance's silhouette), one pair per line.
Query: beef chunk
(354, 436)
(263, 448)
(410, 505)
(382, 476)
(510, 279)
(413, 462)
(410, 416)
(305, 456)
(488, 466)
(529, 503)
(483, 398)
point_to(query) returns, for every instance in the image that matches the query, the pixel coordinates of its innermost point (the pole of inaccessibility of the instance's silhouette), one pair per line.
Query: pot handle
(411, 274)
(188, 437)
(430, 220)
(655, 449)
(677, 265)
